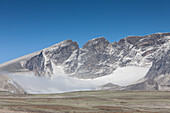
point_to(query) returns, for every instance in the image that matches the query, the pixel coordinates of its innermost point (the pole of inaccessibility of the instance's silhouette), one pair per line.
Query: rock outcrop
(8, 85)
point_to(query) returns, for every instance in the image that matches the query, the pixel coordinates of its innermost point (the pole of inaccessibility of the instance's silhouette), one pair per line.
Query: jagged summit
(96, 40)
(63, 43)
(97, 44)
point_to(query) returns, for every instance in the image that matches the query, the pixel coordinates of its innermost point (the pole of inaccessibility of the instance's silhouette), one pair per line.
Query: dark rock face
(160, 66)
(36, 64)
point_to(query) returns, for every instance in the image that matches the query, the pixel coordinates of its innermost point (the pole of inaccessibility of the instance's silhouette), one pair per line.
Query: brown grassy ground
(88, 102)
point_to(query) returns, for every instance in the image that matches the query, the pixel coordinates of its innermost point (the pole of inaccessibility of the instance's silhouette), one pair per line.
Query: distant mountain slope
(98, 58)
(7, 84)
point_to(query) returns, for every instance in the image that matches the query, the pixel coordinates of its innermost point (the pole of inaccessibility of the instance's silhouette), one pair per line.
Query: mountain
(144, 57)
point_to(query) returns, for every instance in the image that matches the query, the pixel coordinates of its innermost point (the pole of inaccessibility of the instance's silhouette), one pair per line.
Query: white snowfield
(61, 82)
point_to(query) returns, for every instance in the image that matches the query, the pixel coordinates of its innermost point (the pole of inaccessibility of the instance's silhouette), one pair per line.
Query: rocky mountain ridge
(98, 58)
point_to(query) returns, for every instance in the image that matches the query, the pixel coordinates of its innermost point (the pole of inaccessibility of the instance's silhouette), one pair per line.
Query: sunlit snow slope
(60, 82)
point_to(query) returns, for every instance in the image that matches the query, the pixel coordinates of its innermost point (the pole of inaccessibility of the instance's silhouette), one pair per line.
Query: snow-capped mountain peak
(97, 58)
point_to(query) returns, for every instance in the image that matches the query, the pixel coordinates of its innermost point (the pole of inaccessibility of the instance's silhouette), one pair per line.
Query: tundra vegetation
(87, 101)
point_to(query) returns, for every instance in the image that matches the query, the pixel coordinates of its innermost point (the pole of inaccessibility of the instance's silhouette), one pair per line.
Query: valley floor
(87, 102)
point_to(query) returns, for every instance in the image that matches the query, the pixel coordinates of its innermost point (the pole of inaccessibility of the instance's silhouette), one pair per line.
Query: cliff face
(158, 76)
(98, 58)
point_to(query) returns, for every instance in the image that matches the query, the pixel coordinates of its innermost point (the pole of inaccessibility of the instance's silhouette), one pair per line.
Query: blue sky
(27, 26)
